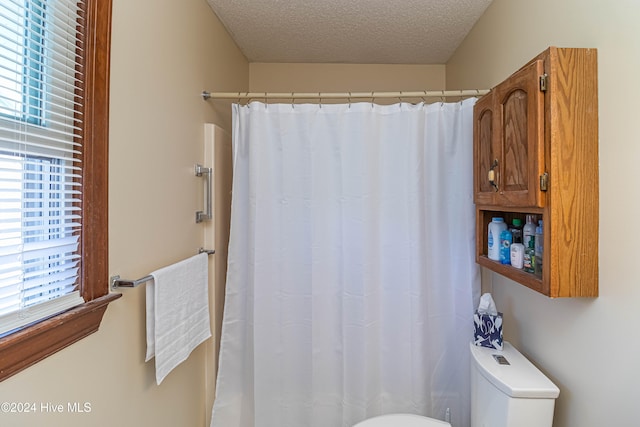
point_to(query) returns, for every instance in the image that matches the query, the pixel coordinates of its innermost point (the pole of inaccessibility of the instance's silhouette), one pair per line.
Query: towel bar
(117, 282)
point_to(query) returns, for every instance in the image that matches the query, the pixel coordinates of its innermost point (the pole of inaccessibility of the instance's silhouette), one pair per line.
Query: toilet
(507, 390)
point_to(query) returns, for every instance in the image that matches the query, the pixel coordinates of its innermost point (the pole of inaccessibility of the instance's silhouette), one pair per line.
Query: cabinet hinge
(544, 181)
(543, 82)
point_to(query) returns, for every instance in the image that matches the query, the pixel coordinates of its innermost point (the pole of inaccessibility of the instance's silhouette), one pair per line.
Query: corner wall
(269, 77)
(588, 347)
(164, 53)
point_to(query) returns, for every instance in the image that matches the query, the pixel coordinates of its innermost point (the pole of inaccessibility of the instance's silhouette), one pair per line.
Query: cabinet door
(519, 110)
(487, 151)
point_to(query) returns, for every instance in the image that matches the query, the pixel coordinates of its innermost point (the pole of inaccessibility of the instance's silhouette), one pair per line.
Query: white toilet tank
(516, 394)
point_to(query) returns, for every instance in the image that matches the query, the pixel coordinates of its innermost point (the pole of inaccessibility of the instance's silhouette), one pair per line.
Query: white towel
(177, 313)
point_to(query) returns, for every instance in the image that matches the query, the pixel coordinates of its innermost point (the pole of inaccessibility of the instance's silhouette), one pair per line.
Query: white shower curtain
(351, 278)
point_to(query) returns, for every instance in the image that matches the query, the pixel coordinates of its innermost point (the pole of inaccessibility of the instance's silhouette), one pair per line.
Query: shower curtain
(351, 276)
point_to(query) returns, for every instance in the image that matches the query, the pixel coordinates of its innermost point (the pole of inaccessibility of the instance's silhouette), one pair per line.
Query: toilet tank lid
(518, 379)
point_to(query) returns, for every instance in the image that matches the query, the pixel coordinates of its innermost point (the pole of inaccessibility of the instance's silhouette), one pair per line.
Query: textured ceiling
(349, 31)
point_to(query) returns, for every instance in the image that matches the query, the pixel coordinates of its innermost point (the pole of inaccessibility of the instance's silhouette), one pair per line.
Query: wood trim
(574, 176)
(520, 276)
(95, 242)
(34, 343)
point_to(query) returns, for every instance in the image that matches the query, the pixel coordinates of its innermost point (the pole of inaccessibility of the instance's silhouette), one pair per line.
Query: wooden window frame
(33, 343)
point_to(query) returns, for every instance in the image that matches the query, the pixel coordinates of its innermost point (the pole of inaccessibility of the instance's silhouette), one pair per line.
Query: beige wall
(589, 347)
(345, 78)
(164, 53)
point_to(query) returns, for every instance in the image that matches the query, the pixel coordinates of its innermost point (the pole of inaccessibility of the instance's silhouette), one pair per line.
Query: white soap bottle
(517, 255)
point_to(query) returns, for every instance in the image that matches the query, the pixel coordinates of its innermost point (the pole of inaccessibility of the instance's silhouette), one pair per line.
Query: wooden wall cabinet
(536, 152)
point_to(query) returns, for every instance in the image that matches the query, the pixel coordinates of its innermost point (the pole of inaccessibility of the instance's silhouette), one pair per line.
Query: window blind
(41, 80)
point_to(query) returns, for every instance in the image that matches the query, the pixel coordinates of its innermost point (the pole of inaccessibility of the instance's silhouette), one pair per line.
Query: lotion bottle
(517, 255)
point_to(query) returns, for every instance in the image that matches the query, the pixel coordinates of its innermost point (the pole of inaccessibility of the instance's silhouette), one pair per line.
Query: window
(40, 155)
(54, 57)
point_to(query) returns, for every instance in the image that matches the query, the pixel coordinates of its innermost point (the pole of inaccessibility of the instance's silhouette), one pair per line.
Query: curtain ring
(247, 99)
(349, 100)
(400, 99)
(372, 99)
(265, 100)
(442, 98)
(424, 101)
(320, 98)
(292, 102)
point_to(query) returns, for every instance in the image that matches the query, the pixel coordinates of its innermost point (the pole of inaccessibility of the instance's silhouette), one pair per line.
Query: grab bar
(117, 282)
(206, 215)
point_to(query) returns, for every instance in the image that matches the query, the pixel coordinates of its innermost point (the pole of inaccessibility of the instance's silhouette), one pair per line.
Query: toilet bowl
(402, 420)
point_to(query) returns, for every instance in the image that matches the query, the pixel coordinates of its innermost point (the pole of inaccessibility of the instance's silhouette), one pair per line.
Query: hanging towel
(177, 313)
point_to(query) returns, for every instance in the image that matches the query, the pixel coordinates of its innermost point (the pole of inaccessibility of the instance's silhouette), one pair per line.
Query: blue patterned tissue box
(487, 330)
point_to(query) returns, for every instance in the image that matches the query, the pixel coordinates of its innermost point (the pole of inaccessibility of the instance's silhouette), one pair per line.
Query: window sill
(36, 342)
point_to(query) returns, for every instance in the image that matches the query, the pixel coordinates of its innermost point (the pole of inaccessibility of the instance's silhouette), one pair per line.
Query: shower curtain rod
(345, 95)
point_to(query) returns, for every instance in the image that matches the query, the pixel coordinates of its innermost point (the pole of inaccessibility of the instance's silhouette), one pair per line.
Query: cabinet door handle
(491, 176)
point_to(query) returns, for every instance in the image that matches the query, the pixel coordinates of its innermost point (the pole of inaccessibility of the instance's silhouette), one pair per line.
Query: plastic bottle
(516, 230)
(539, 242)
(528, 231)
(517, 255)
(529, 259)
(496, 226)
(506, 239)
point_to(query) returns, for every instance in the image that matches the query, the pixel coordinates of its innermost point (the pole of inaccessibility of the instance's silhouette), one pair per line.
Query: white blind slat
(10, 276)
(58, 118)
(39, 140)
(41, 285)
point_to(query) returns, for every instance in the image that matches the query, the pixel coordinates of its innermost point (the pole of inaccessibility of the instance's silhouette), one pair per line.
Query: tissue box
(487, 330)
